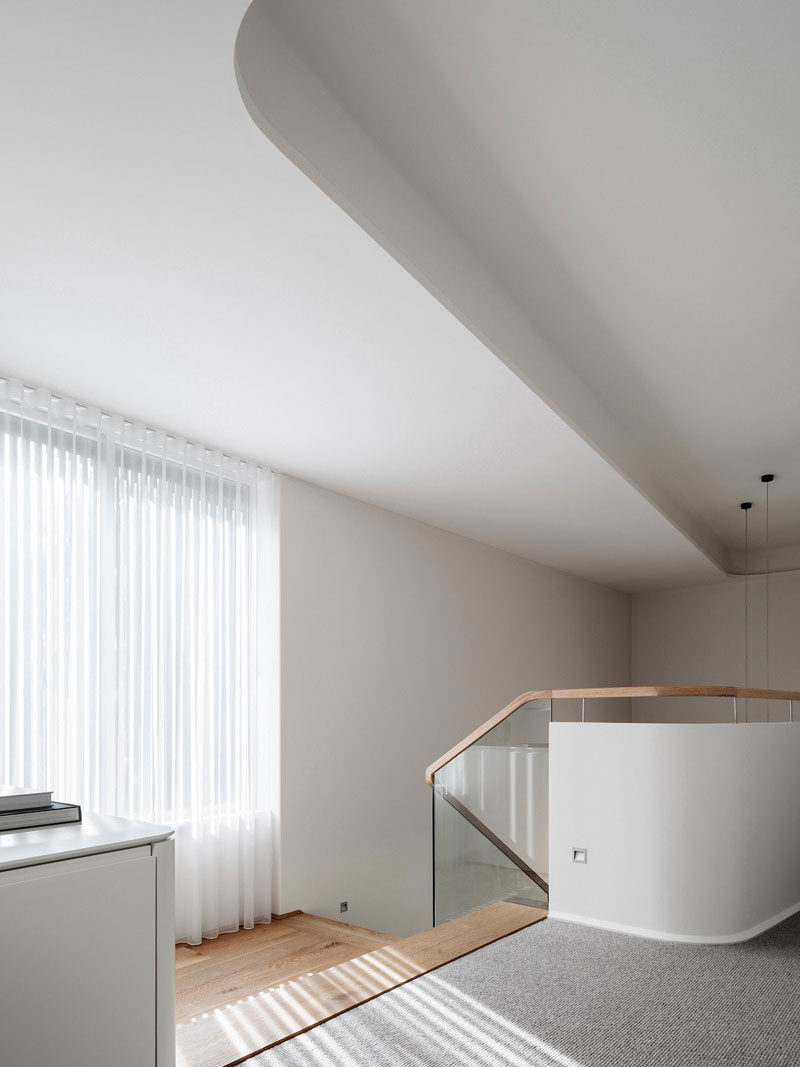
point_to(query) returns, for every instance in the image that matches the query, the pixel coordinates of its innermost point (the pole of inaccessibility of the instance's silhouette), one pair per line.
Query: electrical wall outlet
(343, 905)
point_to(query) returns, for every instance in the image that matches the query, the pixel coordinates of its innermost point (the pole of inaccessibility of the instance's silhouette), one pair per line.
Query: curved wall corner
(354, 164)
(262, 63)
(690, 830)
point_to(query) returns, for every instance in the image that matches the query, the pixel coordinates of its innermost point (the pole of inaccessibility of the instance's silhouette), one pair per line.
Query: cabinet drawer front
(57, 868)
(77, 962)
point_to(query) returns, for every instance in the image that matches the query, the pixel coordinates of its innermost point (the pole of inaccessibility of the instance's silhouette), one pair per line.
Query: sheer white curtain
(136, 639)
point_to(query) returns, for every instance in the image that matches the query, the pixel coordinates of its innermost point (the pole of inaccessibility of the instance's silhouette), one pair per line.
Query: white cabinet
(87, 946)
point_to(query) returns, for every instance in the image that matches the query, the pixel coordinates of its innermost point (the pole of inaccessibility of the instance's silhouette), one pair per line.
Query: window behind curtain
(133, 641)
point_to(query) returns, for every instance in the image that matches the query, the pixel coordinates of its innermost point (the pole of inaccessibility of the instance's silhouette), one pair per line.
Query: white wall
(397, 639)
(691, 829)
(697, 637)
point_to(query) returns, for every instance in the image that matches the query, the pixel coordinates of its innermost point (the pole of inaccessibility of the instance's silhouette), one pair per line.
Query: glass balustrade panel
(469, 871)
(494, 791)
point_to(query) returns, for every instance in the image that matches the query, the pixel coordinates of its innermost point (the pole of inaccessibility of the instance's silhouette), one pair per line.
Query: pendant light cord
(745, 506)
(766, 479)
(746, 601)
(767, 656)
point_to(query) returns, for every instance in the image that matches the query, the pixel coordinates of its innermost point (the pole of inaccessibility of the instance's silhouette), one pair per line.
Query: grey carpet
(559, 995)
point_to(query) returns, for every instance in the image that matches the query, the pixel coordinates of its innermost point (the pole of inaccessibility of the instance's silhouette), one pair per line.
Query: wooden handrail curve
(619, 692)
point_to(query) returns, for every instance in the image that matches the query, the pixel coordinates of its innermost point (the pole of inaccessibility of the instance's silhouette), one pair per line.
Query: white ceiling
(628, 173)
(160, 257)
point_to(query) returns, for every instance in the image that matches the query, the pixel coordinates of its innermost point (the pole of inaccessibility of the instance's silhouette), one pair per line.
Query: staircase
(490, 813)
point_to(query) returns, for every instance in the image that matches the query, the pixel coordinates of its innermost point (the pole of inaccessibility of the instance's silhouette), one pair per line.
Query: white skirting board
(660, 935)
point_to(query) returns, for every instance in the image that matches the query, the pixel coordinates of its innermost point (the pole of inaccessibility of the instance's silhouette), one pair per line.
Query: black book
(32, 819)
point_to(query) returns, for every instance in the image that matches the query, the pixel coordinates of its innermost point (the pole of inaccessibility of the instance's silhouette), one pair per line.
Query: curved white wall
(691, 830)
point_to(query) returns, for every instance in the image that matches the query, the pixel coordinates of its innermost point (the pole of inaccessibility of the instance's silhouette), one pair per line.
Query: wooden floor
(233, 966)
(245, 992)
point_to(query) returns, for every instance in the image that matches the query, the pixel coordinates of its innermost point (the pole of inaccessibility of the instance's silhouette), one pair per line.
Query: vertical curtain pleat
(132, 565)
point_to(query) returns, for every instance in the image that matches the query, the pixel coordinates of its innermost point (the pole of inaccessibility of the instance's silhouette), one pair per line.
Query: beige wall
(397, 639)
(697, 637)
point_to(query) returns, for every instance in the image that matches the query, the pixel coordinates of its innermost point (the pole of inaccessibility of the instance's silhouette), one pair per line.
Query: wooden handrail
(476, 735)
(768, 694)
(619, 692)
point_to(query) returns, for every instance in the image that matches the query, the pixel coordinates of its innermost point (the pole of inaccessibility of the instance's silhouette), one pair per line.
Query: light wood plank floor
(233, 966)
(247, 991)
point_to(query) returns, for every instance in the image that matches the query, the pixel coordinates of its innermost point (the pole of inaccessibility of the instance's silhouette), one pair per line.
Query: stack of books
(27, 809)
